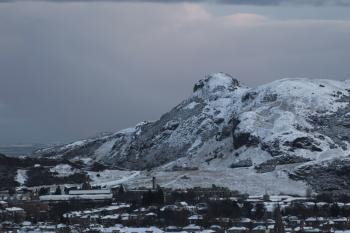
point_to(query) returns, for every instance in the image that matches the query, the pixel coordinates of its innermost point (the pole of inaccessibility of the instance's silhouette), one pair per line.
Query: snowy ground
(63, 170)
(245, 180)
(21, 176)
(242, 179)
(112, 178)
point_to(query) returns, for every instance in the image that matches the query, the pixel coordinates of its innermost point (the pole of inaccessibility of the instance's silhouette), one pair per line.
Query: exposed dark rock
(198, 86)
(244, 139)
(180, 168)
(266, 167)
(271, 164)
(270, 98)
(171, 125)
(326, 176)
(303, 143)
(334, 125)
(273, 148)
(202, 83)
(219, 120)
(249, 96)
(227, 130)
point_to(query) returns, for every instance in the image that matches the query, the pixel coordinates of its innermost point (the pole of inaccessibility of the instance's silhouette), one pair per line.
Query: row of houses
(95, 195)
(14, 214)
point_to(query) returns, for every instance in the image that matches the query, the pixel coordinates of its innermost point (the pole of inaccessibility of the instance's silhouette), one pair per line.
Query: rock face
(330, 175)
(223, 124)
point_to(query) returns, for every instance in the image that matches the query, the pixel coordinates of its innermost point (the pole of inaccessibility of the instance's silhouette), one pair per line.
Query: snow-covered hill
(268, 131)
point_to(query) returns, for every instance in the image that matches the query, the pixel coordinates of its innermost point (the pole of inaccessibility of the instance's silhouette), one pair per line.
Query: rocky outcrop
(271, 164)
(330, 175)
(223, 123)
(242, 163)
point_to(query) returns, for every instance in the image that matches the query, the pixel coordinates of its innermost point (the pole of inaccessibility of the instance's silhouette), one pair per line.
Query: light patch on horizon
(245, 19)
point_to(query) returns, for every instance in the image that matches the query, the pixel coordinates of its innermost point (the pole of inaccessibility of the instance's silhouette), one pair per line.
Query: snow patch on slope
(21, 177)
(63, 170)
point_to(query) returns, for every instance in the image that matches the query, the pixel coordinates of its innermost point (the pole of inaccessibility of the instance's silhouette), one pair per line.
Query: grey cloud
(233, 2)
(69, 71)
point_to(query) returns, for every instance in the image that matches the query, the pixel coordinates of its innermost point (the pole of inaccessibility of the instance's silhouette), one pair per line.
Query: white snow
(191, 105)
(127, 130)
(74, 144)
(276, 111)
(90, 192)
(219, 80)
(111, 178)
(75, 197)
(21, 176)
(14, 209)
(196, 144)
(105, 149)
(63, 170)
(246, 180)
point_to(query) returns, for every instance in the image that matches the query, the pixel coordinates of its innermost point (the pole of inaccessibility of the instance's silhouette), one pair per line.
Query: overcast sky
(71, 69)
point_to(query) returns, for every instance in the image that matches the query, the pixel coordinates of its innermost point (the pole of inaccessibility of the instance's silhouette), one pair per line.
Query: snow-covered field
(110, 178)
(63, 170)
(245, 180)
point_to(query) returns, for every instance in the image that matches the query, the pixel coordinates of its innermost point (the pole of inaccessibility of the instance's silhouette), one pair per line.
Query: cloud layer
(233, 2)
(72, 70)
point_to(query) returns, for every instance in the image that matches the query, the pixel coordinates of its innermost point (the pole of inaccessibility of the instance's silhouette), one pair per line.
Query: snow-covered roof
(90, 192)
(75, 197)
(195, 217)
(141, 230)
(192, 227)
(14, 209)
(260, 227)
(237, 229)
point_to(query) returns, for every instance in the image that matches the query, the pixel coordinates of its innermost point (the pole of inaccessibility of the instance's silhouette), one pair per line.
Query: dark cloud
(68, 71)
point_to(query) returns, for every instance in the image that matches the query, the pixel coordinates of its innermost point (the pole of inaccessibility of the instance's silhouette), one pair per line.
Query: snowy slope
(225, 126)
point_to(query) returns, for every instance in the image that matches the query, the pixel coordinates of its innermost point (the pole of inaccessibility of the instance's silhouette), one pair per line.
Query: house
(216, 228)
(222, 222)
(90, 192)
(340, 223)
(271, 228)
(195, 219)
(132, 195)
(314, 221)
(110, 220)
(79, 195)
(62, 228)
(192, 228)
(172, 229)
(3, 204)
(260, 229)
(243, 222)
(293, 221)
(202, 207)
(35, 209)
(15, 214)
(238, 230)
(141, 230)
(312, 230)
(150, 216)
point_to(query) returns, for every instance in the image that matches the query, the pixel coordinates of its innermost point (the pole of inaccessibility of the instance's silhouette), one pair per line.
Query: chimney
(154, 183)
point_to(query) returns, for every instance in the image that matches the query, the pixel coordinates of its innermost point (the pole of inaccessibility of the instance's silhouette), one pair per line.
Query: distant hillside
(278, 135)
